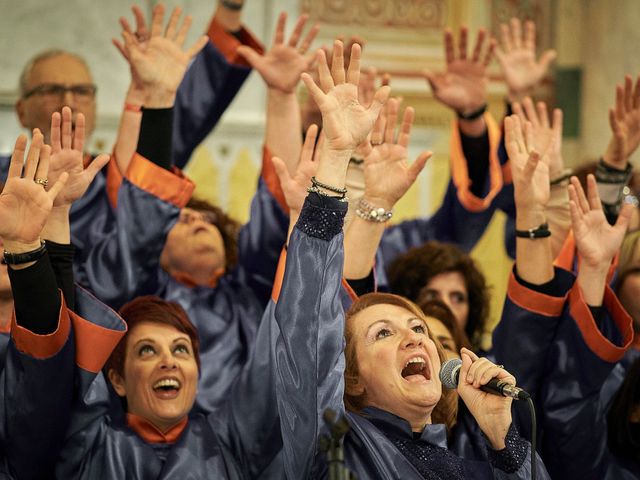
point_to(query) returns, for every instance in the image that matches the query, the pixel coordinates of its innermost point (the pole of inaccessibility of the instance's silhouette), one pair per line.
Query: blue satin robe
(40, 391)
(560, 355)
(242, 437)
(311, 365)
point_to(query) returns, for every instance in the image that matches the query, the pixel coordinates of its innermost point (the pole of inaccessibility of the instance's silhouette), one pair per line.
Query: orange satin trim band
(172, 187)
(460, 172)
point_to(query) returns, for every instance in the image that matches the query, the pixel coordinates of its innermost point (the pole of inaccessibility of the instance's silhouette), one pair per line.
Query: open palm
(463, 85)
(67, 156)
(387, 172)
(161, 62)
(517, 56)
(24, 204)
(346, 123)
(597, 241)
(529, 168)
(283, 64)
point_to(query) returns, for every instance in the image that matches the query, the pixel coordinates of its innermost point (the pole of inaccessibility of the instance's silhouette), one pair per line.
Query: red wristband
(130, 107)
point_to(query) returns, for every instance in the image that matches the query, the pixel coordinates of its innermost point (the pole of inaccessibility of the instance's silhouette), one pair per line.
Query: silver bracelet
(316, 189)
(372, 213)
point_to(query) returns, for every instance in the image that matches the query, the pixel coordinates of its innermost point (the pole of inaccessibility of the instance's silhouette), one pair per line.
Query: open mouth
(167, 388)
(416, 370)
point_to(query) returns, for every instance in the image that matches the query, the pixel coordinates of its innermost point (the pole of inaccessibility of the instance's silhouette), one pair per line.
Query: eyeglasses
(82, 92)
(188, 216)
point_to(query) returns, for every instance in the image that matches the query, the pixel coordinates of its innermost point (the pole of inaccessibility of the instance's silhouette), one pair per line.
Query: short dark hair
(228, 227)
(152, 309)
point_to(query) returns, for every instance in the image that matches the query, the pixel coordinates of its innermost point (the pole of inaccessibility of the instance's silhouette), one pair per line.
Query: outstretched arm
(615, 171)
(547, 136)
(158, 64)
(387, 176)
(280, 68)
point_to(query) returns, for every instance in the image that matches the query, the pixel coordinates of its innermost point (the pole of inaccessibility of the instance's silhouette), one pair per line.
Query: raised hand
(24, 203)
(517, 57)
(625, 124)
(160, 62)
(547, 136)
(282, 65)
(67, 156)
(463, 85)
(492, 412)
(387, 172)
(529, 168)
(142, 36)
(597, 241)
(346, 123)
(295, 186)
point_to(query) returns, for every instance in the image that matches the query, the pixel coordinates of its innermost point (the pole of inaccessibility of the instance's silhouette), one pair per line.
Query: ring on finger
(42, 181)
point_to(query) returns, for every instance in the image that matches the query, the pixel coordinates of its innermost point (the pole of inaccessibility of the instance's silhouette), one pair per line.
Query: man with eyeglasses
(51, 80)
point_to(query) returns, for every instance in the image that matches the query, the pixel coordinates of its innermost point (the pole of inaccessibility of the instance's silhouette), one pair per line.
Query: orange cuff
(598, 343)
(533, 301)
(271, 180)
(460, 172)
(172, 187)
(42, 346)
(94, 343)
(114, 180)
(279, 277)
(228, 44)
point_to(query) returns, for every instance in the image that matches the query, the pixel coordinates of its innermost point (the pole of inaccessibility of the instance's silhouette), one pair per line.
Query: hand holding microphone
(478, 381)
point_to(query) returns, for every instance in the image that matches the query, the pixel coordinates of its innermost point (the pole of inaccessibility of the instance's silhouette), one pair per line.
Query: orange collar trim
(150, 433)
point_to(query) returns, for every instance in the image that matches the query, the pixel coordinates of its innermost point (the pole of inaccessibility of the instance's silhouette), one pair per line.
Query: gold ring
(500, 366)
(42, 181)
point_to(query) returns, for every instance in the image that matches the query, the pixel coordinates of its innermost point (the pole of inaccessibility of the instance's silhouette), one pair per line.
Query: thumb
(547, 57)
(624, 217)
(418, 165)
(57, 187)
(281, 170)
(197, 46)
(379, 99)
(97, 164)
(250, 55)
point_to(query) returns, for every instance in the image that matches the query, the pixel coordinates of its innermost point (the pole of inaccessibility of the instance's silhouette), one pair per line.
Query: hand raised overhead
(295, 186)
(346, 123)
(529, 168)
(624, 120)
(160, 63)
(597, 241)
(517, 57)
(67, 156)
(283, 64)
(463, 85)
(387, 172)
(24, 203)
(547, 136)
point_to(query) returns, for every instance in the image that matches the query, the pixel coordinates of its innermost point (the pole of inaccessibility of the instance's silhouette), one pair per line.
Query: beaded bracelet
(316, 189)
(339, 191)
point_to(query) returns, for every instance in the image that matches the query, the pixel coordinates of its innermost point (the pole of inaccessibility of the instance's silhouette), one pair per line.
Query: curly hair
(445, 411)
(412, 271)
(228, 227)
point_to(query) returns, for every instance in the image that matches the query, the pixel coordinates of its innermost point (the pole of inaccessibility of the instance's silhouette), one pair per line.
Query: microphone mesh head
(449, 373)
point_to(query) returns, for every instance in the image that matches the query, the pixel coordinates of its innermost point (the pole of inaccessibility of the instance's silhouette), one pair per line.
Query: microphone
(450, 371)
